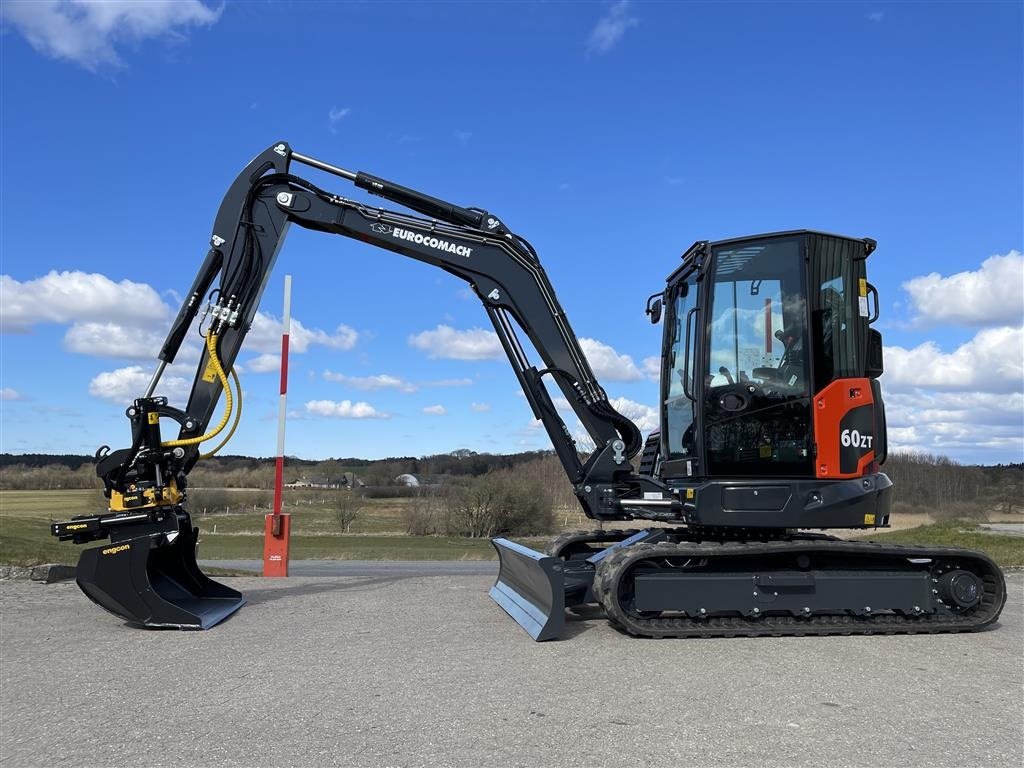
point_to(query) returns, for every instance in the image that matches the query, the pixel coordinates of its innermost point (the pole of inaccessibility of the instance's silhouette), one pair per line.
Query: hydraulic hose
(211, 347)
(234, 424)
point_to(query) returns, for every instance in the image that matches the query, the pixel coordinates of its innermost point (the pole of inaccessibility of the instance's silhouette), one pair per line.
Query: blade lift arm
(472, 244)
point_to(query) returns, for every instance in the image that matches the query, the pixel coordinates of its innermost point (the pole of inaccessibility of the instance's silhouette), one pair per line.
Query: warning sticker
(862, 303)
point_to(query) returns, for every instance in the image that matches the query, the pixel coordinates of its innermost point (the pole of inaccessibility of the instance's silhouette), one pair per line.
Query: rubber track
(610, 572)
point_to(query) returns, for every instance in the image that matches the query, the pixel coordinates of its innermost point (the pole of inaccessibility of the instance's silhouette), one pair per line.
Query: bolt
(587, 488)
(284, 198)
(755, 594)
(703, 611)
(917, 609)
(807, 610)
(131, 412)
(867, 609)
(757, 611)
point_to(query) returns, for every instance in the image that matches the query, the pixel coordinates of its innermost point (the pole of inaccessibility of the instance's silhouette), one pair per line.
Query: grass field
(376, 535)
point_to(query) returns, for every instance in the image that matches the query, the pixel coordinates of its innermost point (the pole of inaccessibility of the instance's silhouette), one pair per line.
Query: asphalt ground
(398, 668)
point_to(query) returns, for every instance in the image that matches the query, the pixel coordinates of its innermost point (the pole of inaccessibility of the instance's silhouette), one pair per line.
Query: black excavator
(772, 426)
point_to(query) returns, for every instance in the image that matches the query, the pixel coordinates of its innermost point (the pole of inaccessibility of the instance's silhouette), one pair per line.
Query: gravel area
(403, 669)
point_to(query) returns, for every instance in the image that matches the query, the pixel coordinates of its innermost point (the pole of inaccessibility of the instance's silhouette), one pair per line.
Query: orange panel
(844, 429)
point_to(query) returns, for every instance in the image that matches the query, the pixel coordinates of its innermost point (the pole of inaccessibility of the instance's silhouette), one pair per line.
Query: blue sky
(611, 135)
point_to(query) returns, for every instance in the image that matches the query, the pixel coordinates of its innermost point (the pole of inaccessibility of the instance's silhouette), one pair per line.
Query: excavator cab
(769, 381)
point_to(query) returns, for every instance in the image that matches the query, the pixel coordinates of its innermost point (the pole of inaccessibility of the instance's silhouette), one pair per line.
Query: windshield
(757, 383)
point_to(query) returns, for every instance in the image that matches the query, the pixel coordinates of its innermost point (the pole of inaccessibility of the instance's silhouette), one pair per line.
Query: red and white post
(277, 531)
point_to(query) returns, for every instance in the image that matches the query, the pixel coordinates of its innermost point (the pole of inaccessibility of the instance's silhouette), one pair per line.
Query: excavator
(772, 432)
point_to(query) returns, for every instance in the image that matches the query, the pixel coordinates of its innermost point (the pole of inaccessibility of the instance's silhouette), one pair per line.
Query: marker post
(277, 528)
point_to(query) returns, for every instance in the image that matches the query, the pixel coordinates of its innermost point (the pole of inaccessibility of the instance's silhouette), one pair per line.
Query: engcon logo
(431, 242)
(118, 548)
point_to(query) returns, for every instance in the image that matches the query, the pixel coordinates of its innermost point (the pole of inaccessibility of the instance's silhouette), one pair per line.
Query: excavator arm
(150, 575)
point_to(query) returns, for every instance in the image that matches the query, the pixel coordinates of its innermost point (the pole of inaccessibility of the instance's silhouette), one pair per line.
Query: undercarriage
(683, 582)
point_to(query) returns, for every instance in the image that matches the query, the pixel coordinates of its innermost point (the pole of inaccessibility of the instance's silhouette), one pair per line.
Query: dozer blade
(154, 581)
(531, 589)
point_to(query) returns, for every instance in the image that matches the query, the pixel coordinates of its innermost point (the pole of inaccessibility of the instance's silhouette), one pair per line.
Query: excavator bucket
(531, 589)
(154, 581)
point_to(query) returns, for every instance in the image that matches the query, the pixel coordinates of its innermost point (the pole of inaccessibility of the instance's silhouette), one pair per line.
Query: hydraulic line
(211, 347)
(234, 425)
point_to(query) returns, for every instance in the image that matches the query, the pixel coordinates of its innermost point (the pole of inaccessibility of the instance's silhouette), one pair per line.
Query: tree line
(50, 472)
(471, 488)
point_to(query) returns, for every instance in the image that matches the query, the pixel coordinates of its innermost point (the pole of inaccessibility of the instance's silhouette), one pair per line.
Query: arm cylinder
(187, 313)
(417, 201)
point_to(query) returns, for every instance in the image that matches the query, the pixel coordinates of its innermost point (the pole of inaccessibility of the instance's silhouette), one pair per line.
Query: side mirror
(873, 367)
(653, 310)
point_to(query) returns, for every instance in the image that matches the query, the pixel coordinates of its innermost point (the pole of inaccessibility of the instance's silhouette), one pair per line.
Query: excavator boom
(146, 482)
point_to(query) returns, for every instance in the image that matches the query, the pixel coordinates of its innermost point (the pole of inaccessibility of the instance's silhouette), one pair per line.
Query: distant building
(417, 481)
(319, 482)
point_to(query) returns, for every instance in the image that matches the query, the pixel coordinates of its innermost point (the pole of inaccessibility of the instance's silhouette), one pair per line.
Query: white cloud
(7, 393)
(265, 336)
(462, 137)
(123, 385)
(379, 381)
(265, 363)
(609, 365)
(651, 367)
(611, 27)
(993, 361)
(344, 409)
(968, 403)
(972, 426)
(89, 33)
(435, 410)
(480, 407)
(876, 16)
(446, 342)
(67, 297)
(335, 116)
(124, 320)
(645, 417)
(113, 340)
(991, 295)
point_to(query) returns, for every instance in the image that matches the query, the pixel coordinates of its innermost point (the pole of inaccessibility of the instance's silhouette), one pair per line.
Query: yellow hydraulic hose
(234, 425)
(211, 347)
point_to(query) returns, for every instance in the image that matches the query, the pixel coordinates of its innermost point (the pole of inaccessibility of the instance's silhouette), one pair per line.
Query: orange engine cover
(844, 425)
